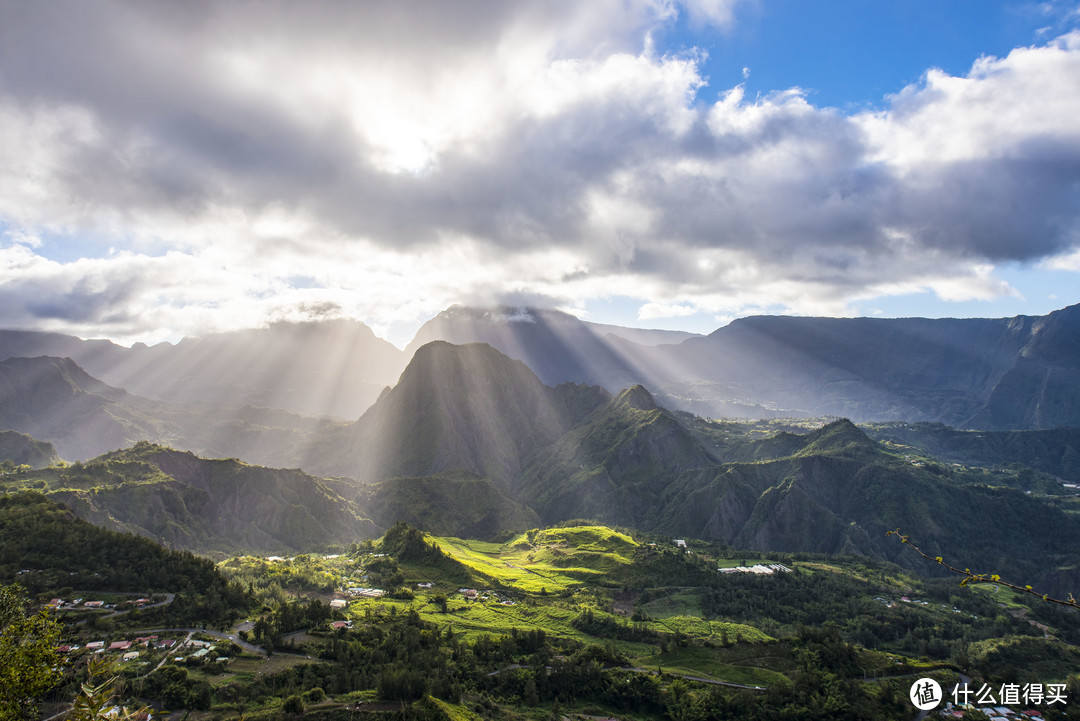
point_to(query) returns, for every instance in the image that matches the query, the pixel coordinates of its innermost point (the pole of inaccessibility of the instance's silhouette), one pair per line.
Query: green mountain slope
(614, 465)
(61, 550)
(222, 506)
(840, 493)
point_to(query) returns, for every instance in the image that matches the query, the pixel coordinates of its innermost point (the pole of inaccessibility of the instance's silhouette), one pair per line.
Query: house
(120, 645)
(93, 645)
(338, 603)
(680, 543)
(425, 584)
(94, 604)
(166, 643)
(340, 624)
(131, 655)
(55, 603)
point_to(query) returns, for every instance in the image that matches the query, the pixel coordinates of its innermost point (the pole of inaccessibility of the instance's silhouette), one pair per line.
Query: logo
(925, 694)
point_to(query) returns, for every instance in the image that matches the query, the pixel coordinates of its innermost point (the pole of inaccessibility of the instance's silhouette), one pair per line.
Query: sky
(175, 169)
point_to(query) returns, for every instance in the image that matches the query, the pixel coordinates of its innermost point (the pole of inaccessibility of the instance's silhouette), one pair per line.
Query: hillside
(465, 408)
(20, 449)
(447, 504)
(839, 492)
(56, 401)
(219, 506)
(1054, 451)
(58, 550)
(614, 465)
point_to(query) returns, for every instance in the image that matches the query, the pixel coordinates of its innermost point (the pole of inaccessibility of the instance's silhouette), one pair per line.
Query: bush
(293, 704)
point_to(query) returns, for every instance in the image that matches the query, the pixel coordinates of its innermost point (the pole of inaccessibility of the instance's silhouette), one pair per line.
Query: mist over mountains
(1000, 374)
(474, 441)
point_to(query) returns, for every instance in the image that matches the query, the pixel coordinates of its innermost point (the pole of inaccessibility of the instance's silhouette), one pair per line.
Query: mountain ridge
(991, 373)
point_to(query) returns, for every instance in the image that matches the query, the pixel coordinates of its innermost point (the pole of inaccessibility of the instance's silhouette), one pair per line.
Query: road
(221, 635)
(168, 599)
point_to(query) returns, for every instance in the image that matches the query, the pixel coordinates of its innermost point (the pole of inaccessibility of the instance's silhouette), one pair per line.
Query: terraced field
(548, 560)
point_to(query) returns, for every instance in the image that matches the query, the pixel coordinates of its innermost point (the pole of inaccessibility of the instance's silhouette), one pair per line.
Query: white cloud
(402, 159)
(649, 311)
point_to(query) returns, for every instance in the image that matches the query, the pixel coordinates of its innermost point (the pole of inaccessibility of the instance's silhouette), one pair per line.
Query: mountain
(330, 368)
(840, 492)
(1007, 373)
(1055, 451)
(614, 465)
(211, 506)
(21, 449)
(471, 442)
(557, 346)
(1021, 372)
(447, 504)
(995, 374)
(55, 400)
(627, 460)
(467, 408)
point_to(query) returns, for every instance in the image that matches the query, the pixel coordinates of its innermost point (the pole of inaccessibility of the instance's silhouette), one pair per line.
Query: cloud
(403, 157)
(649, 311)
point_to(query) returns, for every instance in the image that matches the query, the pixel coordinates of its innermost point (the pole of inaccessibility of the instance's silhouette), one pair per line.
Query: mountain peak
(637, 398)
(839, 435)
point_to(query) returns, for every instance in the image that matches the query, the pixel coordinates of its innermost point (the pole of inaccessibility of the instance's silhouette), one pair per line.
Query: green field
(548, 560)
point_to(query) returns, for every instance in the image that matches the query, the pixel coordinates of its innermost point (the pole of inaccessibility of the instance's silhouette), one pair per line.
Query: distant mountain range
(333, 368)
(994, 374)
(1008, 373)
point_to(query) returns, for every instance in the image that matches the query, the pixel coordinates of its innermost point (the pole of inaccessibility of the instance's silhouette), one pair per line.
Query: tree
(972, 577)
(29, 662)
(97, 702)
(293, 704)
